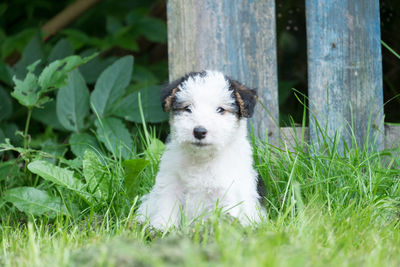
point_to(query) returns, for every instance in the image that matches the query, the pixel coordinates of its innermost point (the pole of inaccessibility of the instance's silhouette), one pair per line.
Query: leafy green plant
(31, 92)
(93, 184)
(88, 178)
(35, 202)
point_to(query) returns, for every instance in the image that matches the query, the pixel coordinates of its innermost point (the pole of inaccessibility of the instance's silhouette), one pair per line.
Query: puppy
(208, 160)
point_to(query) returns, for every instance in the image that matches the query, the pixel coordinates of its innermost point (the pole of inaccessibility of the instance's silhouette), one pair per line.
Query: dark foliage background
(390, 23)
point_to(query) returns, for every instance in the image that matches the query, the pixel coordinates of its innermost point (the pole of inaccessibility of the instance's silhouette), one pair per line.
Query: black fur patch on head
(168, 92)
(246, 98)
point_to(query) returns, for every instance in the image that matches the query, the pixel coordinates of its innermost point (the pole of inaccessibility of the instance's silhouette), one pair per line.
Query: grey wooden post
(237, 37)
(345, 70)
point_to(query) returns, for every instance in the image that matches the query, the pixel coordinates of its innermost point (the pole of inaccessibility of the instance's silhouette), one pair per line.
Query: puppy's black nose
(199, 132)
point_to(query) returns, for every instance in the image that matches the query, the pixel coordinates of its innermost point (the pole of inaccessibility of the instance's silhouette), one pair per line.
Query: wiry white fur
(192, 179)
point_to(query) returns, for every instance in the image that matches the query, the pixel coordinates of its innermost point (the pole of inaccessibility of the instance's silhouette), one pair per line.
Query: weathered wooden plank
(289, 135)
(345, 70)
(236, 37)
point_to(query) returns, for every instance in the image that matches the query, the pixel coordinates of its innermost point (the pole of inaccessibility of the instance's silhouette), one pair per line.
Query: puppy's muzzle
(199, 132)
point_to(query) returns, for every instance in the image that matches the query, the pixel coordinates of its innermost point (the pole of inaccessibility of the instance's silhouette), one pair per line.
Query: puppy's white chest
(198, 199)
(204, 188)
(203, 180)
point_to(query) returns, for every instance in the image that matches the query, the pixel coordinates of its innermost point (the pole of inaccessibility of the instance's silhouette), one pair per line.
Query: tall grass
(324, 208)
(357, 177)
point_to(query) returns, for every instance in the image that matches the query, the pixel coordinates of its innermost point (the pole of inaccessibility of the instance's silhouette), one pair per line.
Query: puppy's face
(207, 108)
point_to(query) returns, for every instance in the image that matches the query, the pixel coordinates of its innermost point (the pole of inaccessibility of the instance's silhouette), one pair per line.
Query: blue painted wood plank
(345, 70)
(236, 37)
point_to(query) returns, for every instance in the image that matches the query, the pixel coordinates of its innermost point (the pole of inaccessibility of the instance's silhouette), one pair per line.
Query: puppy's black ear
(168, 94)
(246, 98)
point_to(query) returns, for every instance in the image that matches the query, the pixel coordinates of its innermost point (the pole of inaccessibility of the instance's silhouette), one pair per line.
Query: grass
(354, 237)
(324, 209)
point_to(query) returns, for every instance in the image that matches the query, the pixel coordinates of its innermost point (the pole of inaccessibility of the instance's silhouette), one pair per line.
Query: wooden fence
(238, 37)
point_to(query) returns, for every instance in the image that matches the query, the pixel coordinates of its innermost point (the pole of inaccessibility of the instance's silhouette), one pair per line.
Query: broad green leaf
(95, 175)
(47, 114)
(32, 53)
(114, 135)
(154, 29)
(55, 74)
(93, 68)
(73, 102)
(143, 77)
(82, 141)
(5, 104)
(55, 174)
(123, 38)
(26, 91)
(36, 202)
(61, 50)
(111, 85)
(128, 108)
(133, 168)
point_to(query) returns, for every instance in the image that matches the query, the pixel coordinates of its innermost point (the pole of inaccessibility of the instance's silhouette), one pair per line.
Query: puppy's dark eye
(221, 110)
(187, 109)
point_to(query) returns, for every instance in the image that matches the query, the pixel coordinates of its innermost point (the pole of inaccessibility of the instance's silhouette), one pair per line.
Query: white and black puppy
(208, 160)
